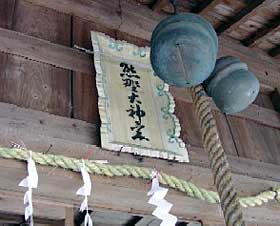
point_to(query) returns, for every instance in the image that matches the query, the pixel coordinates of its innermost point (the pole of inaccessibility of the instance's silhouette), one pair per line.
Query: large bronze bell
(231, 85)
(184, 49)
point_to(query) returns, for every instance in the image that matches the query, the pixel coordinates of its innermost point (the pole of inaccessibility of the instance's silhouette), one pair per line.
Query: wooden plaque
(135, 107)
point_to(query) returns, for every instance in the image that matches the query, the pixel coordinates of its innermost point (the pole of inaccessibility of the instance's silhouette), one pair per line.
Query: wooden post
(69, 216)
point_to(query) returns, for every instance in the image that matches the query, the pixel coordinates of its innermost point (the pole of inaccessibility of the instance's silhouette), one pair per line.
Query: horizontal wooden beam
(40, 131)
(55, 134)
(15, 43)
(44, 51)
(120, 194)
(139, 21)
(253, 112)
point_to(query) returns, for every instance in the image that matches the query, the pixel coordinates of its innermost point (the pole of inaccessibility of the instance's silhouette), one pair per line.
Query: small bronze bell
(231, 85)
(184, 49)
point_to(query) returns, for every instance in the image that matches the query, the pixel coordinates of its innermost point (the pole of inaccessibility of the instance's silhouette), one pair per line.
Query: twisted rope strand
(218, 161)
(186, 187)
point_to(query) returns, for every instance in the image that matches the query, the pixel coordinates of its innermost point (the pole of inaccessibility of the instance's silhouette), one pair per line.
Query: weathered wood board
(255, 141)
(6, 13)
(31, 84)
(191, 133)
(34, 85)
(42, 23)
(135, 106)
(85, 103)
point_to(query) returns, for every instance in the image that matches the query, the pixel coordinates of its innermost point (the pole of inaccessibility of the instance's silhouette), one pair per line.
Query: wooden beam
(69, 216)
(261, 33)
(65, 57)
(13, 219)
(249, 15)
(239, 15)
(44, 51)
(209, 7)
(110, 193)
(11, 42)
(54, 134)
(138, 24)
(253, 112)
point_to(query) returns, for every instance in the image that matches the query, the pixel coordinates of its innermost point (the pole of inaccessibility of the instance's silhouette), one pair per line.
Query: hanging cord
(109, 170)
(218, 161)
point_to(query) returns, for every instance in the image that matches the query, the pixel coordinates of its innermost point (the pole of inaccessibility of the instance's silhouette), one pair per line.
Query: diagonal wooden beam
(238, 16)
(261, 33)
(251, 12)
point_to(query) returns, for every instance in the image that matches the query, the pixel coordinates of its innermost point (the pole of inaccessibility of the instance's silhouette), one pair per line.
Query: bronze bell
(184, 49)
(231, 85)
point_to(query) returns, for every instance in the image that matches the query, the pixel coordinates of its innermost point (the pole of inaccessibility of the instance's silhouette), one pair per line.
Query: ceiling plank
(239, 15)
(251, 12)
(263, 32)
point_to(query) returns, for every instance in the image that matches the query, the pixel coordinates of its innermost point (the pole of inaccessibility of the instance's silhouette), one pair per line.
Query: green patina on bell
(231, 85)
(183, 50)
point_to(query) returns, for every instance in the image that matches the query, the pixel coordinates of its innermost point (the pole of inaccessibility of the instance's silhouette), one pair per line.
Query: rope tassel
(163, 207)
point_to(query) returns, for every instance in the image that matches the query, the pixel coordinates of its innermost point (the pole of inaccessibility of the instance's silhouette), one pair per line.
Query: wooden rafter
(261, 33)
(208, 6)
(254, 11)
(238, 16)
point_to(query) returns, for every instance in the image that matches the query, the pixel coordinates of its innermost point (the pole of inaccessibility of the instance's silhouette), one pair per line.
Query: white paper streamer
(30, 182)
(163, 207)
(85, 191)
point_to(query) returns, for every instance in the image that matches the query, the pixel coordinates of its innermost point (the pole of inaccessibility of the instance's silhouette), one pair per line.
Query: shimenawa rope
(109, 170)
